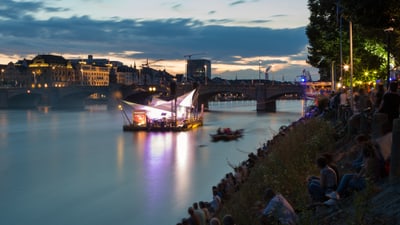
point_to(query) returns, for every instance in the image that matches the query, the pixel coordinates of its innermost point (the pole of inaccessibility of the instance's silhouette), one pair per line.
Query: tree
(323, 35)
(328, 28)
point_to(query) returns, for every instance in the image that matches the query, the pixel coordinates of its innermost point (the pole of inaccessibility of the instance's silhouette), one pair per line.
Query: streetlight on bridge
(81, 70)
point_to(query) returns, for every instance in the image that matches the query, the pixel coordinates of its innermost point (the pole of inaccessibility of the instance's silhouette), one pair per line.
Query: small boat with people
(227, 134)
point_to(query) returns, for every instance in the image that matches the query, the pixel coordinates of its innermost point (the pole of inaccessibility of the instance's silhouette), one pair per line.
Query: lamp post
(346, 68)
(351, 63)
(259, 71)
(2, 77)
(388, 31)
(81, 76)
(333, 75)
(34, 78)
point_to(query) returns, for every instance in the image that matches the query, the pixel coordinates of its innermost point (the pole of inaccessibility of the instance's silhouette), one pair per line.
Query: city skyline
(262, 34)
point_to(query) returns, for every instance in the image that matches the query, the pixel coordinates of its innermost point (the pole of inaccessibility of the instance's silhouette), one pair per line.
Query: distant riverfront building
(51, 71)
(198, 70)
(55, 71)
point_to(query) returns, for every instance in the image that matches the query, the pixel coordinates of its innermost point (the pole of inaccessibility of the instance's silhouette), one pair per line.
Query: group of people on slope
(377, 100)
(203, 212)
(275, 209)
(327, 188)
(369, 167)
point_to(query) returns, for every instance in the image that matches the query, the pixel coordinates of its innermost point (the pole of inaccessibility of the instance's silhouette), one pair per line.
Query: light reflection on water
(81, 168)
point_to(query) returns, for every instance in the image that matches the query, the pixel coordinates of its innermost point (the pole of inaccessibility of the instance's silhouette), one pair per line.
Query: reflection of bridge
(68, 97)
(73, 97)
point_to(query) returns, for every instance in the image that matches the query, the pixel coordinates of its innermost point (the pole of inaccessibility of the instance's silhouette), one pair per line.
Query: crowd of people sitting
(207, 212)
(370, 160)
(368, 166)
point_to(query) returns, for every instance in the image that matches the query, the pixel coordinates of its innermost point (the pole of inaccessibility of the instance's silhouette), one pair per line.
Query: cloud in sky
(235, 46)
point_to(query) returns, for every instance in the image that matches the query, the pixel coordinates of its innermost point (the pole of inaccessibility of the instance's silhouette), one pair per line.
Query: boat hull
(149, 128)
(227, 137)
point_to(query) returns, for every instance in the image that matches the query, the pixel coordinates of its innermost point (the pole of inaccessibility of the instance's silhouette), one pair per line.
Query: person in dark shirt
(390, 104)
(377, 97)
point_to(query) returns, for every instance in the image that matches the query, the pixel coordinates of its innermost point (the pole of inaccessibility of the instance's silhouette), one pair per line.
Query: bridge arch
(264, 94)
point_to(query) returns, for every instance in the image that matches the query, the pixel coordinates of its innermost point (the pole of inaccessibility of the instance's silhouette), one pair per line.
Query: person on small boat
(227, 130)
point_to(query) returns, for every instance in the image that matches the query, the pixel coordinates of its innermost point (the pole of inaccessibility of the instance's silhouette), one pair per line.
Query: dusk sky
(234, 35)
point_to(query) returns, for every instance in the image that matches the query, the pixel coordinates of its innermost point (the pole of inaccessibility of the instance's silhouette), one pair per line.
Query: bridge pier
(202, 101)
(263, 103)
(3, 99)
(266, 106)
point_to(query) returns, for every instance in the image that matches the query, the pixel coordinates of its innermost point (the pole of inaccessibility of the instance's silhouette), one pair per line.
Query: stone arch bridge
(74, 97)
(264, 94)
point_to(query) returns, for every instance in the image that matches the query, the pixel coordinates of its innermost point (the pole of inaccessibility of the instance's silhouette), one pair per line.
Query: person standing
(362, 101)
(377, 96)
(390, 104)
(343, 104)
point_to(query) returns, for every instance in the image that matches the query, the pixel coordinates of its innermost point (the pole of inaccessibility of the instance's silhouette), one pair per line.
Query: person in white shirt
(278, 209)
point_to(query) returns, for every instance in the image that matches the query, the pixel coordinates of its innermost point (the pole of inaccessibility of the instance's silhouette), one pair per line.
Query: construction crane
(267, 71)
(146, 74)
(147, 62)
(189, 56)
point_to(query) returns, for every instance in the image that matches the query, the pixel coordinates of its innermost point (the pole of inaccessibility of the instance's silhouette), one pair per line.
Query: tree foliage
(329, 28)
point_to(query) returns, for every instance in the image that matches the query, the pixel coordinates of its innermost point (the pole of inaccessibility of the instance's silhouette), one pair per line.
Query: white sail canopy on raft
(159, 108)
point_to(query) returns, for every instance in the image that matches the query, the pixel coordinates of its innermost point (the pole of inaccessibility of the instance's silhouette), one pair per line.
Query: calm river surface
(80, 168)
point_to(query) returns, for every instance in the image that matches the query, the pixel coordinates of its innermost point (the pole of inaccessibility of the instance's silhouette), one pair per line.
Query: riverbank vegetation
(291, 158)
(289, 161)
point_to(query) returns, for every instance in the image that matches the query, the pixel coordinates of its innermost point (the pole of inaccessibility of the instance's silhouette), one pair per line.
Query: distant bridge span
(264, 94)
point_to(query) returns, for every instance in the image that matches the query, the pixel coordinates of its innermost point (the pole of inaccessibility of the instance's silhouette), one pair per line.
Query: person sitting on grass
(318, 187)
(372, 170)
(278, 210)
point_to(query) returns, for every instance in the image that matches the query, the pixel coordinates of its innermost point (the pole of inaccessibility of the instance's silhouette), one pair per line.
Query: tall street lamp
(333, 76)
(81, 70)
(351, 63)
(259, 71)
(2, 76)
(388, 31)
(346, 68)
(34, 78)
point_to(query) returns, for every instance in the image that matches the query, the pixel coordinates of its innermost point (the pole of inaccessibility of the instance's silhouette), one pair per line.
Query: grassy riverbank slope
(291, 159)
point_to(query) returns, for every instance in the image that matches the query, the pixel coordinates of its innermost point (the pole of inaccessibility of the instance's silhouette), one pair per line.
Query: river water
(79, 167)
